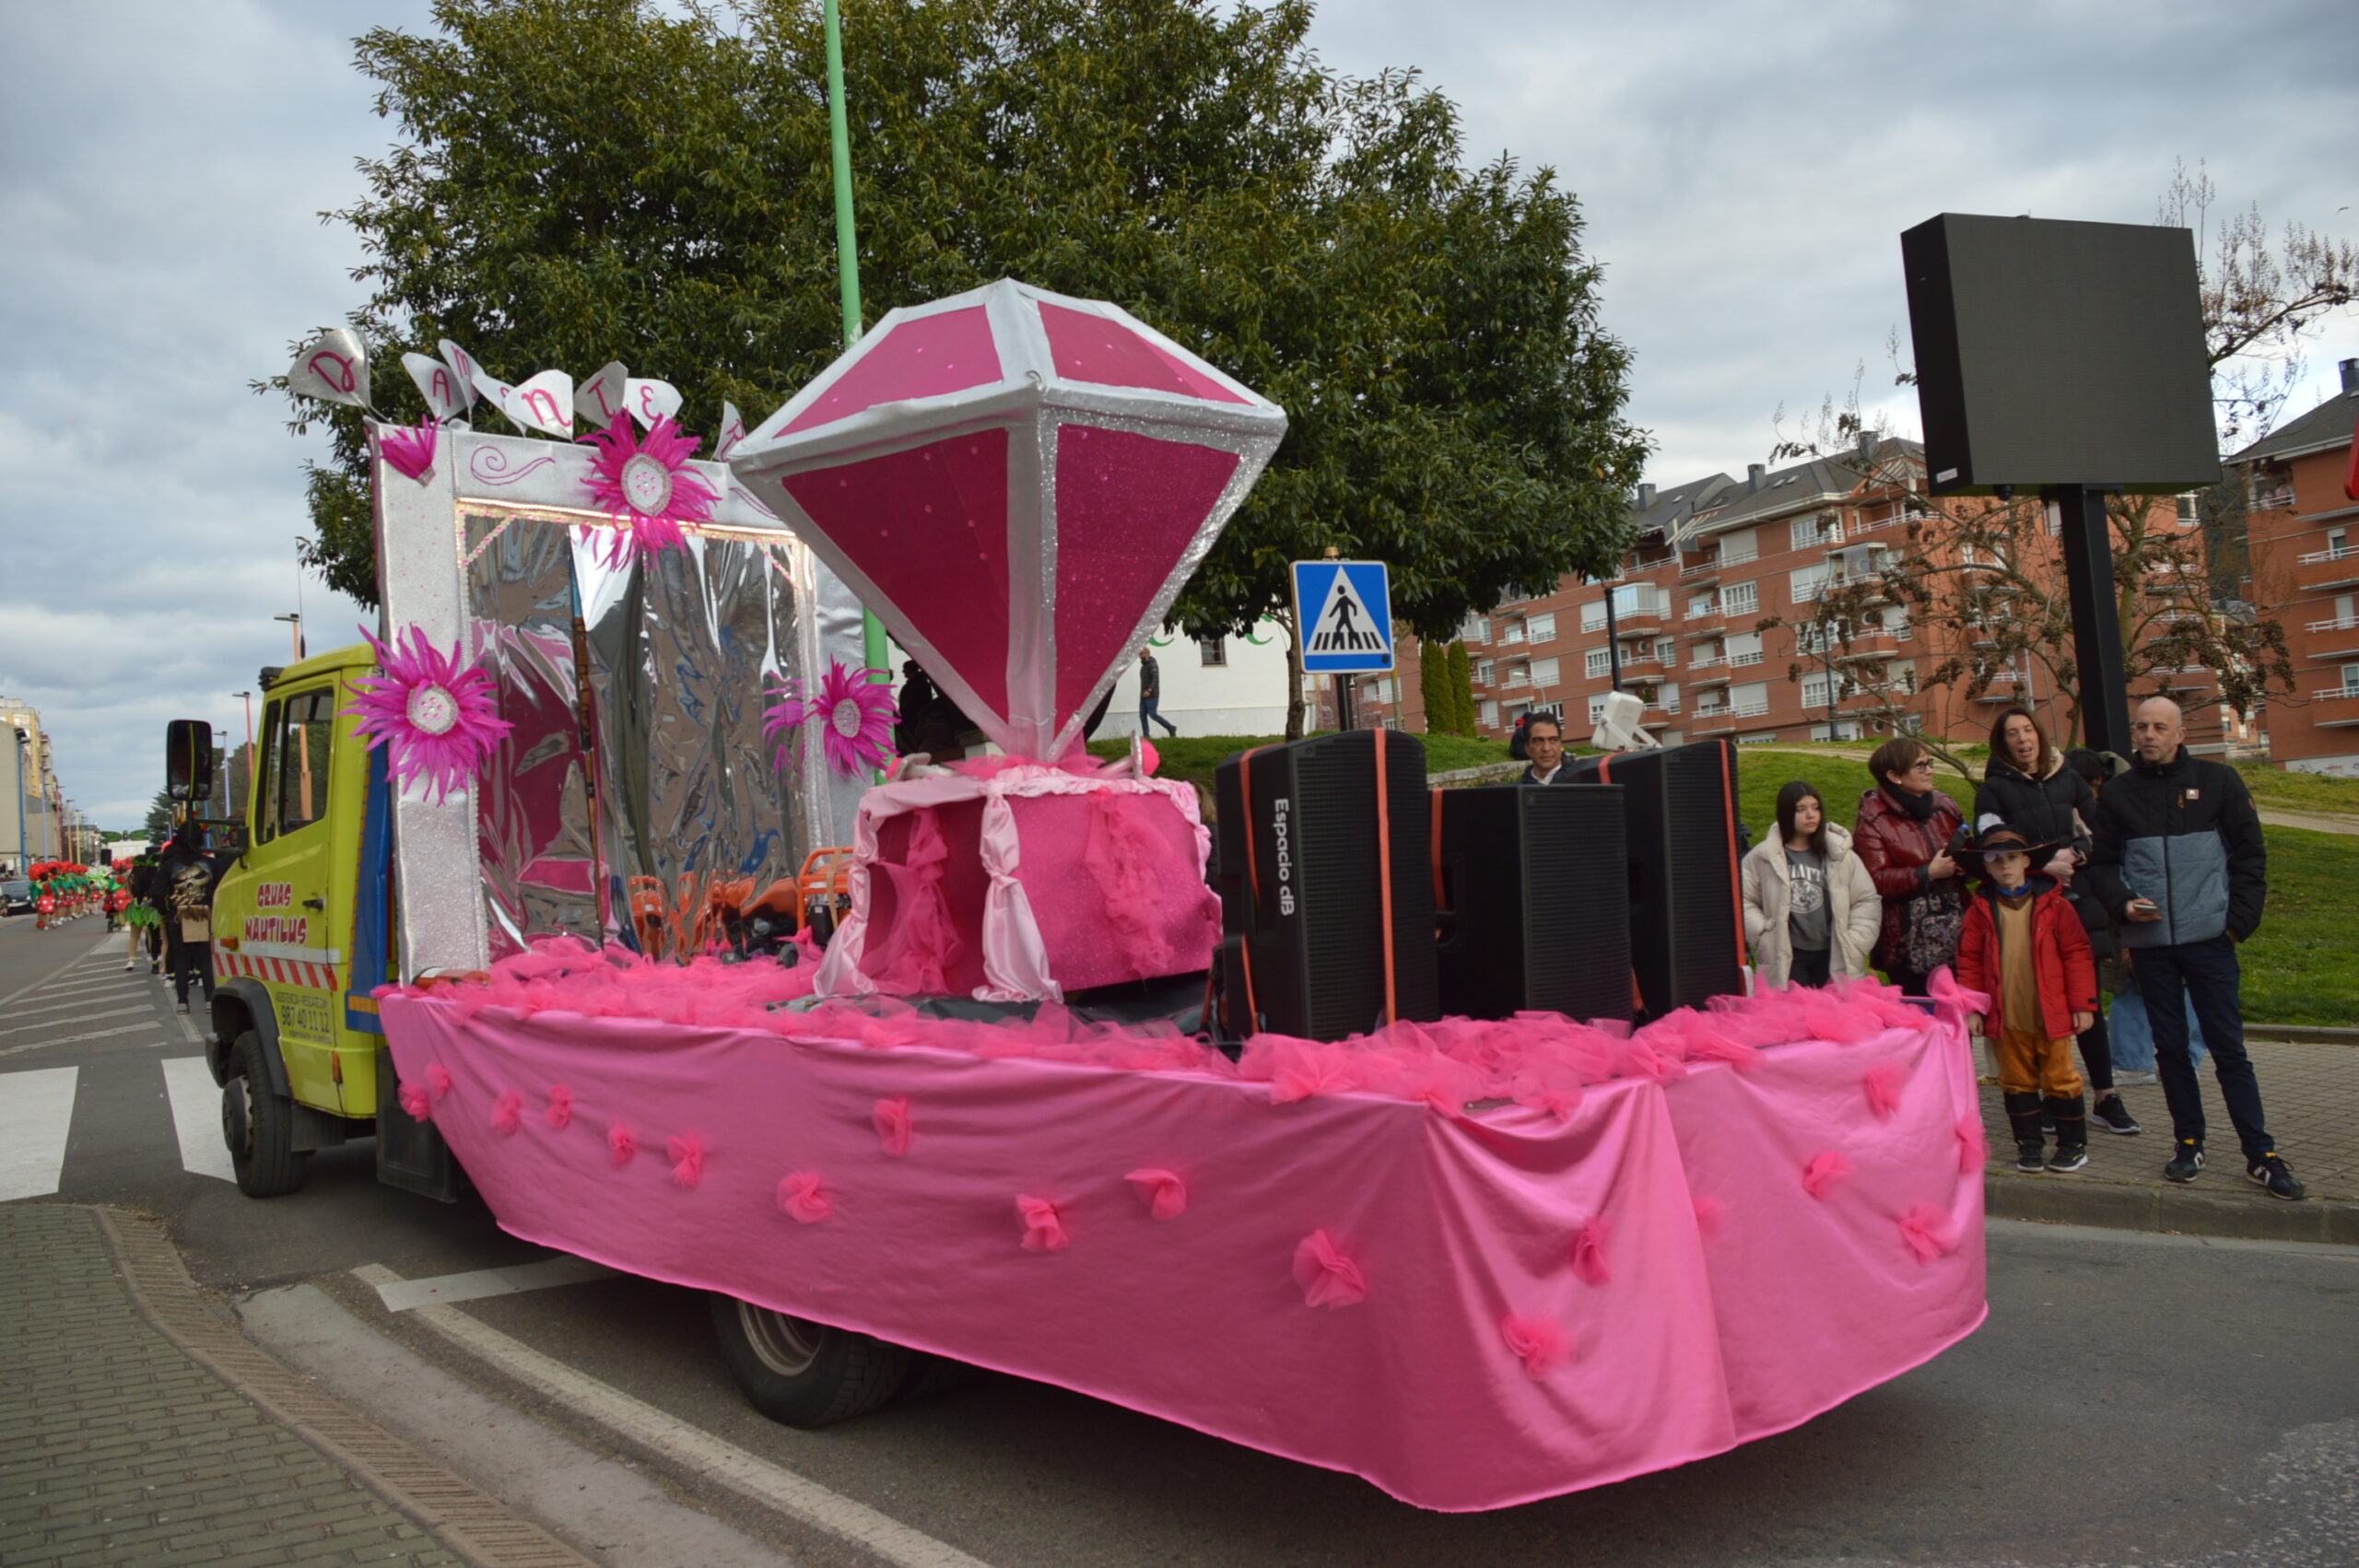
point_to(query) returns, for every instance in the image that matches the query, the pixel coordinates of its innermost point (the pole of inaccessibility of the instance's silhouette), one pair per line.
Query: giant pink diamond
(1019, 484)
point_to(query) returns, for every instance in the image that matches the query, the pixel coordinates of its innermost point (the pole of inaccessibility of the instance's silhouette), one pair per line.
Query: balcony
(1707, 679)
(2337, 638)
(1739, 660)
(2335, 708)
(1707, 568)
(2337, 567)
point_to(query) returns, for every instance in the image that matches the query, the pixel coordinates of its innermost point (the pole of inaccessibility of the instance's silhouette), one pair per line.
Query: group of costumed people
(67, 890)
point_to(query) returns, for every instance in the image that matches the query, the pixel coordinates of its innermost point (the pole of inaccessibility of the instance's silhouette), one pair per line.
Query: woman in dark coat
(2027, 787)
(1904, 835)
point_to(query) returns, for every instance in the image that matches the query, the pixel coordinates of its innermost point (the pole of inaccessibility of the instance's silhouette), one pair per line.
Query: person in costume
(2024, 946)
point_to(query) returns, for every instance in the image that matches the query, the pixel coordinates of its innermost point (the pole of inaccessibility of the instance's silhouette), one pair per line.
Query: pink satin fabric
(1377, 1284)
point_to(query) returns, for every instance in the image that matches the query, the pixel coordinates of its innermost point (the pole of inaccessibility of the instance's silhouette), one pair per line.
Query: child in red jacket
(2025, 947)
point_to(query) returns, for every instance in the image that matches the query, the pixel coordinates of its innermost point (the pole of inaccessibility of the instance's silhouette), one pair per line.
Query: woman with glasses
(1908, 835)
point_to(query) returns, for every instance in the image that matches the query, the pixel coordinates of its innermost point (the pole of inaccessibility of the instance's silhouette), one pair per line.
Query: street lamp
(294, 619)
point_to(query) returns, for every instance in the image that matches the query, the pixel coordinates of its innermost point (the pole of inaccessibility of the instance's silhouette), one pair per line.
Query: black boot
(2072, 1132)
(2022, 1114)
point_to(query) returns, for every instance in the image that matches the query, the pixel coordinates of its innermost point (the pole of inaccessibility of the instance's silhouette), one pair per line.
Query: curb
(1489, 772)
(467, 1520)
(2301, 1035)
(2188, 1210)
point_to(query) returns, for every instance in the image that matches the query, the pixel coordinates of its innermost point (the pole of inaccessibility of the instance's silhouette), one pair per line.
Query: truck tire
(804, 1374)
(259, 1125)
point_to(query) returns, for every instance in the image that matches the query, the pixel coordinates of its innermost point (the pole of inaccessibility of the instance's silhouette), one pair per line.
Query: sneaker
(2273, 1173)
(2135, 1078)
(2186, 1163)
(2031, 1157)
(2068, 1157)
(2114, 1116)
(126, 965)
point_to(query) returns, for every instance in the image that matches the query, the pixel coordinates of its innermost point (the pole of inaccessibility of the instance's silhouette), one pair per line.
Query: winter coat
(1563, 775)
(2054, 807)
(2067, 976)
(1896, 848)
(2184, 834)
(1855, 915)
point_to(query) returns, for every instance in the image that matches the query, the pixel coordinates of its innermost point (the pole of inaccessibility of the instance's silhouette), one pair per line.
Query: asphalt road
(2132, 1401)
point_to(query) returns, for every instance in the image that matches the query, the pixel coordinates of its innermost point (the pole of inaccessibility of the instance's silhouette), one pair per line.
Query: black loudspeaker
(1303, 893)
(2053, 353)
(1535, 904)
(1679, 811)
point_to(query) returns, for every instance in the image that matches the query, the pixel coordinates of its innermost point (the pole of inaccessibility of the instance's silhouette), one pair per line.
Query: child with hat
(2024, 947)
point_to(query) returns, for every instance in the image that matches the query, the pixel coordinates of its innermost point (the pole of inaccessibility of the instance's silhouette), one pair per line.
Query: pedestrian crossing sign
(1346, 609)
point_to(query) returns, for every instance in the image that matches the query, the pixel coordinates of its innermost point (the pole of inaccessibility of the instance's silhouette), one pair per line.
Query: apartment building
(2303, 529)
(32, 819)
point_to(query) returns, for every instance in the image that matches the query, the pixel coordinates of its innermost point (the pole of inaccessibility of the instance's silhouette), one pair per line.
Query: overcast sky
(1747, 170)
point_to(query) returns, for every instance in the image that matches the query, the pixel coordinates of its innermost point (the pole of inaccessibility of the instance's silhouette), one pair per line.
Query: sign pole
(2097, 619)
(872, 630)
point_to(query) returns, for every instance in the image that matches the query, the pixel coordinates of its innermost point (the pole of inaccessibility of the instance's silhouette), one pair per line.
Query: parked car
(16, 896)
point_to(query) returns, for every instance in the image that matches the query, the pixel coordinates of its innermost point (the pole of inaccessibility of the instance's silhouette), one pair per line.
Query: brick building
(1715, 557)
(2303, 533)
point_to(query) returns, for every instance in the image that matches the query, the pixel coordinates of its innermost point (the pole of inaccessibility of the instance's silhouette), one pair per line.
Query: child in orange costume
(2025, 947)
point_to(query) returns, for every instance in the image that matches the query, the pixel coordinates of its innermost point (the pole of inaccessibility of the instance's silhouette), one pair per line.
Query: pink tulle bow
(415, 1102)
(508, 1113)
(408, 450)
(1954, 1001)
(686, 1154)
(1541, 1344)
(1709, 1216)
(1044, 1225)
(802, 1197)
(1589, 1251)
(1164, 1193)
(1928, 1232)
(1881, 1084)
(1972, 1150)
(1826, 1168)
(621, 1142)
(1328, 1278)
(892, 1121)
(438, 1081)
(560, 1112)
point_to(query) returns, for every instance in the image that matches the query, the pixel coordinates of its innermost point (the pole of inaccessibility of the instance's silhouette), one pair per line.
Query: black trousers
(1909, 980)
(193, 968)
(2096, 1055)
(2207, 974)
(1810, 966)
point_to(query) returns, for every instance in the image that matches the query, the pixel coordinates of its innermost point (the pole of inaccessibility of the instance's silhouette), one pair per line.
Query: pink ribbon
(1044, 1225)
(438, 1081)
(1710, 1215)
(802, 1197)
(1882, 1084)
(1539, 1344)
(1952, 1002)
(1972, 1150)
(1165, 1195)
(621, 1142)
(686, 1154)
(508, 1113)
(415, 1102)
(561, 1111)
(1327, 1277)
(1589, 1251)
(1823, 1170)
(1928, 1232)
(891, 1119)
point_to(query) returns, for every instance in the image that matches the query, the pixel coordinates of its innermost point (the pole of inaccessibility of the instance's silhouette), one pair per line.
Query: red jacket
(1896, 848)
(2067, 976)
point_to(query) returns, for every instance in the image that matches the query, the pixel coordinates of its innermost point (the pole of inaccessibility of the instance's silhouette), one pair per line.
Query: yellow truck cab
(302, 933)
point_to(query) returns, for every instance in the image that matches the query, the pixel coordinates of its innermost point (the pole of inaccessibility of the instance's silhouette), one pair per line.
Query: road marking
(54, 1007)
(74, 987)
(755, 1479)
(36, 1109)
(76, 1039)
(22, 991)
(57, 1022)
(196, 1117)
(408, 1295)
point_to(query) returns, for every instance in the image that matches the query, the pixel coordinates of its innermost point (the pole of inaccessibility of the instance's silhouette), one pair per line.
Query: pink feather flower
(1164, 1193)
(508, 1113)
(804, 1199)
(621, 1142)
(1928, 1232)
(415, 1103)
(686, 1154)
(893, 1129)
(1589, 1251)
(435, 719)
(1826, 1168)
(856, 709)
(1327, 1276)
(1972, 1149)
(648, 485)
(1710, 1214)
(1044, 1225)
(1541, 1345)
(408, 450)
(1882, 1085)
(561, 1111)
(438, 1081)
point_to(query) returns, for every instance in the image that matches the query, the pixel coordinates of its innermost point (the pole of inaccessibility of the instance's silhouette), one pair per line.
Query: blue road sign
(1346, 609)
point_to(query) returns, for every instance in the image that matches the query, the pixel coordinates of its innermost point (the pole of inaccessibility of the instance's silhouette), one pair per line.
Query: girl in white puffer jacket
(1811, 913)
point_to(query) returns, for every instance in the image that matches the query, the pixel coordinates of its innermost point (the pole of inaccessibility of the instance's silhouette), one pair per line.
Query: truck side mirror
(188, 759)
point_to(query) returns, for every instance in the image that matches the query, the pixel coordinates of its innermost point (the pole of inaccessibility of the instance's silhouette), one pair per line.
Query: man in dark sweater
(1151, 694)
(2178, 857)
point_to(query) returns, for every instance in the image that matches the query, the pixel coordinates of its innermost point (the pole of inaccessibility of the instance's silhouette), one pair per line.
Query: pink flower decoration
(1928, 1232)
(1709, 1216)
(1044, 1225)
(891, 1119)
(1589, 1251)
(1823, 1170)
(1558, 1103)
(438, 1081)
(858, 713)
(434, 719)
(648, 484)
(1882, 1085)
(508, 1113)
(801, 1198)
(686, 1154)
(561, 1111)
(1165, 1195)
(1972, 1150)
(408, 450)
(621, 1142)
(1328, 1278)
(415, 1102)
(1542, 1346)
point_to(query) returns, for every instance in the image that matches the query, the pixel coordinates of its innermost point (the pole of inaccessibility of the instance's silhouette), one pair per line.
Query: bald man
(2178, 857)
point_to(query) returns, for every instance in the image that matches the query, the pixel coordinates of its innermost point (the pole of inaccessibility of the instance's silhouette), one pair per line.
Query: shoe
(2114, 1116)
(2031, 1157)
(2187, 1163)
(126, 965)
(2135, 1078)
(2068, 1157)
(2273, 1173)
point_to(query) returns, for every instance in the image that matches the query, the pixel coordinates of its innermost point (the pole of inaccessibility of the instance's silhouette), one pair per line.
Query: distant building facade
(31, 805)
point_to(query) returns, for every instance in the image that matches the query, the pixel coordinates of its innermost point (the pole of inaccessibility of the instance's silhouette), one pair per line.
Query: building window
(1213, 651)
(1545, 672)
(1597, 663)
(1740, 598)
(1593, 616)
(1826, 529)
(1596, 709)
(1667, 650)
(1542, 627)
(1805, 586)
(1490, 715)
(1511, 631)
(1482, 672)
(1475, 628)
(2351, 680)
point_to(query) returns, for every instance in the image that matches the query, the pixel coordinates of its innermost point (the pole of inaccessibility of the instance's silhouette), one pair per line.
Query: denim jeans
(2207, 975)
(1147, 714)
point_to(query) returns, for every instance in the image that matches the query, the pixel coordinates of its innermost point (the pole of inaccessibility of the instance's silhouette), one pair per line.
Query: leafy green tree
(578, 181)
(159, 817)
(1433, 687)
(1461, 690)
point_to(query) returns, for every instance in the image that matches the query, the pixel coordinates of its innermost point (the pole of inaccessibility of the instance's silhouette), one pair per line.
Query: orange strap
(1253, 882)
(1441, 898)
(1736, 888)
(1384, 866)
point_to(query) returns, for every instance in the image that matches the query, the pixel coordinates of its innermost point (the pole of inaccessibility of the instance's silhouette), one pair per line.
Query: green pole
(872, 630)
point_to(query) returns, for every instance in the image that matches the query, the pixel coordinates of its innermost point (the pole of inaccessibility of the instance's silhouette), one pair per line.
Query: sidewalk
(137, 1425)
(2311, 1093)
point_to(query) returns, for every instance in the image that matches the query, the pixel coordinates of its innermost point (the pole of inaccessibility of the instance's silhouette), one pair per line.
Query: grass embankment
(2302, 968)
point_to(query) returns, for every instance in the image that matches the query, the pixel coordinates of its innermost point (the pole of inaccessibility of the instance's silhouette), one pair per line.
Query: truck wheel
(804, 1374)
(259, 1125)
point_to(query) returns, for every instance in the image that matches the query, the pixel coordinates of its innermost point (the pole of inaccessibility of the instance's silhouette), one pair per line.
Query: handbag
(1931, 924)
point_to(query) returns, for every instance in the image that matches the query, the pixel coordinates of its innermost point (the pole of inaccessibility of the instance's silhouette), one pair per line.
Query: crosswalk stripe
(126, 984)
(36, 1110)
(405, 1295)
(56, 1007)
(60, 1023)
(75, 1039)
(196, 1117)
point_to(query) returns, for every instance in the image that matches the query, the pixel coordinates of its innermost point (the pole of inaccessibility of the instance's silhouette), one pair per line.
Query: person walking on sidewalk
(1151, 695)
(1811, 910)
(2178, 859)
(2028, 786)
(1905, 834)
(2024, 947)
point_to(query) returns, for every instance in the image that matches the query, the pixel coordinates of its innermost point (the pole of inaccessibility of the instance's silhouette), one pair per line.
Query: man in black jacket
(2178, 859)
